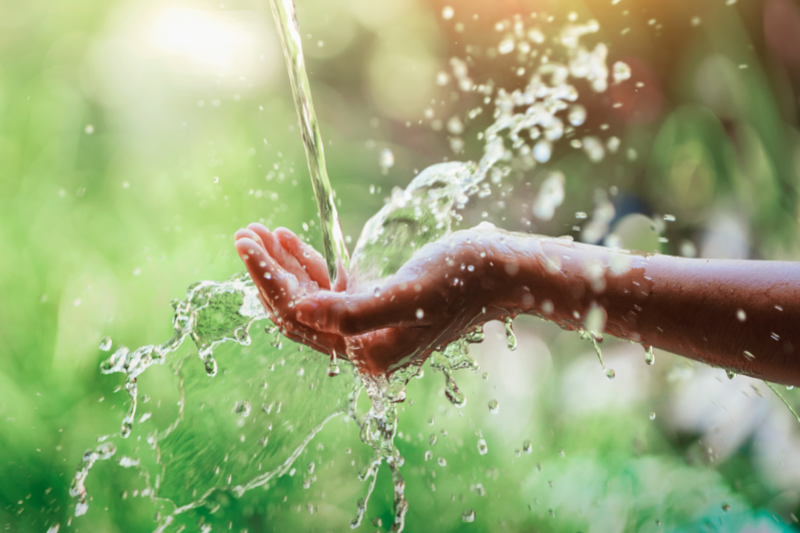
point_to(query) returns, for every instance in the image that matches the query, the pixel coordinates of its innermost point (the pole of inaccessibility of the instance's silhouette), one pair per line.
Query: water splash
(528, 123)
(212, 313)
(77, 488)
(596, 339)
(785, 402)
(217, 317)
(454, 357)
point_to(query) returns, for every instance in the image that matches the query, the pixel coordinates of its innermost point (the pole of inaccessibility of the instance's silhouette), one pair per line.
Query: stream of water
(334, 247)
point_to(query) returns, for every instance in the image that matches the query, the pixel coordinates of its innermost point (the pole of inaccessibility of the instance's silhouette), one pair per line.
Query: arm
(743, 316)
(740, 315)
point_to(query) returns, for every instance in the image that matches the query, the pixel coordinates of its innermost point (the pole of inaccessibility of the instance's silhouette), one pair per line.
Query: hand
(429, 302)
(284, 270)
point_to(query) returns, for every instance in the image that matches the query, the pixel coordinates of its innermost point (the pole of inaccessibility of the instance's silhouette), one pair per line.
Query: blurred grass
(125, 168)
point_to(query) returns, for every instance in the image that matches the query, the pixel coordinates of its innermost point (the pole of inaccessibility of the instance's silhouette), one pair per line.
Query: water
(526, 128)
(334, 247)
(529, 125)
(244, 398)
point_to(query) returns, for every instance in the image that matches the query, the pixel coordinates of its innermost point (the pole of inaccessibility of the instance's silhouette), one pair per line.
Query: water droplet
(333, 367)
(243, 408)
(577, 115)
(431, 421)
(610, 374)
(105, 344)
(621, 72)
(442, 461)
(455, 126)
(741, 315)
(475, 336)
(527, 447)
(511, 339)
(731, 374)
(652, 415)
(386, 160)
(542, 151)
(494, 407)
(432, 439)
(428, 455)
(483, 449)
(420, 314)
(749, 355)
(649, 356)
(506, 46)
(726, 507)
(468, 515)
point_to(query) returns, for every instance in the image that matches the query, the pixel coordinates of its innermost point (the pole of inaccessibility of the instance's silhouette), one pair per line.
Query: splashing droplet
(649, 356)
(475, 336)
(105, 344)
(243, 408)
(386, 160)
(527, 447)
(621, 72)
(483, 449)
(494, 407)
(333, 367)
(511, 338)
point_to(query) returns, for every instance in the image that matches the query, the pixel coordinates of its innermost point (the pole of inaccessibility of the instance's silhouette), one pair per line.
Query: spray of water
(527, 125)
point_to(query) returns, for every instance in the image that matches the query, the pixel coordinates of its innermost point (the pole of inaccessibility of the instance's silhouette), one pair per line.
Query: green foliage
(126, 167)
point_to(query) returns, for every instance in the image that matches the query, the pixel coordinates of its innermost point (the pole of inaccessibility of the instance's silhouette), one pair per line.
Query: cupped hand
(444, 290)
(285, 270)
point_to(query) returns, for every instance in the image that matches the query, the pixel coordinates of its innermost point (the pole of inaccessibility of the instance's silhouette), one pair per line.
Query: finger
(277, 252)
(246, 233)
(356, 314)
(306, 255)
(322, 342)
(274, 283)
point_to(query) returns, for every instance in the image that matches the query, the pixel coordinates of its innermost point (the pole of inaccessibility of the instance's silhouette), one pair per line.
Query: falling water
(334, 247)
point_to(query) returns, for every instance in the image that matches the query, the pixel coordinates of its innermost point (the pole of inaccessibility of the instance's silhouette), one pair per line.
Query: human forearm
(740, 315)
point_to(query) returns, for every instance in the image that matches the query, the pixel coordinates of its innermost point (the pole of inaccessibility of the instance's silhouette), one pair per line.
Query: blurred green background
(137, 135)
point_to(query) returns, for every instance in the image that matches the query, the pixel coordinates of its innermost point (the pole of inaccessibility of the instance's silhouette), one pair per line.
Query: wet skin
(743, 316)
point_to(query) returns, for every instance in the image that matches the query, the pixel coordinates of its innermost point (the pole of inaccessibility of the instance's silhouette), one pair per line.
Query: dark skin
(743, 316)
